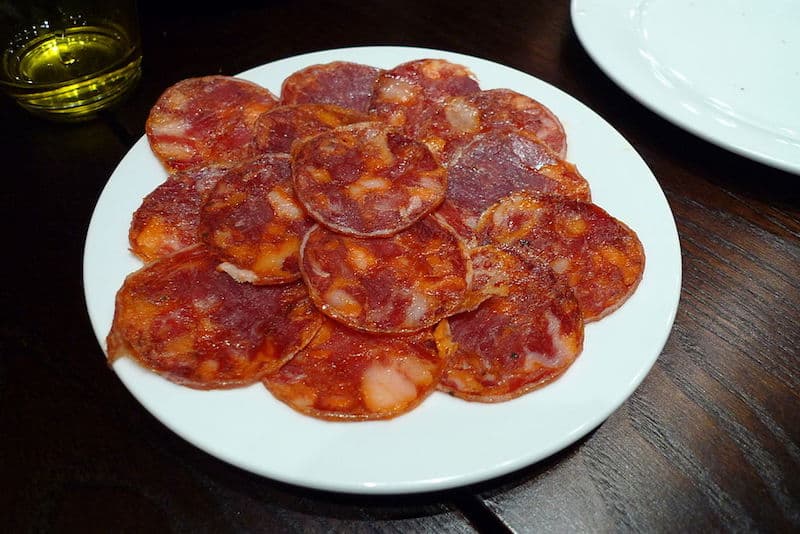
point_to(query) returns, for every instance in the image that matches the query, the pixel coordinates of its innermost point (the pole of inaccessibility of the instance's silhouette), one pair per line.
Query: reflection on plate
(725, 70)
(445, 442)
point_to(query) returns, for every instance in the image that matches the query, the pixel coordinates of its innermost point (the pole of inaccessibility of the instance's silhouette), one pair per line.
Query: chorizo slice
(194, 325)
(598, 256)
(402, 283)
(276, 129)
(517, 340)
(347, 375)
(169, 216)
(340, 83)
(500, 162)
(367, 179)
(462, 117)
(254, 222)
(206, 120)
(407, 94)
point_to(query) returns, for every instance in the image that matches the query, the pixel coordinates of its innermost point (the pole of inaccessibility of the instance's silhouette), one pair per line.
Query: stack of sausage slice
(364, 239)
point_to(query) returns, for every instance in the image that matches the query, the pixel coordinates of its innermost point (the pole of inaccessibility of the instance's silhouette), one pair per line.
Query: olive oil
(70, 74)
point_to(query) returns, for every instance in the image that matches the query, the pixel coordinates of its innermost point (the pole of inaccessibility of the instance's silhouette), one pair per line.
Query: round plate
(446, 442)
(725, 70)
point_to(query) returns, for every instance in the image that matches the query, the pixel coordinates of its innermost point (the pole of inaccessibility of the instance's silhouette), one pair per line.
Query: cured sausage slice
(501, 162)
(168, 218)
(196, 326)
(367, 179)
(598, 256)
(347, 375)
(206, 120)
(515, 343)
(402, 283)
(407, 94)
(254, 222)
(462, 117)
(278, 128)
(341, 83)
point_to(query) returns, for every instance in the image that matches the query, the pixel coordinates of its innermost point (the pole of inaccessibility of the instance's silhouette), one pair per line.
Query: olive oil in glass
(70, 74)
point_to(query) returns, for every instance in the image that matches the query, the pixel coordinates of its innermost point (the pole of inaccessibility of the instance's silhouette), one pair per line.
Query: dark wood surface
(709, 441)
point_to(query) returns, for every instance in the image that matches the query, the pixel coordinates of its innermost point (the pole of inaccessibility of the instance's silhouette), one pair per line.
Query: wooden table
(709, 441)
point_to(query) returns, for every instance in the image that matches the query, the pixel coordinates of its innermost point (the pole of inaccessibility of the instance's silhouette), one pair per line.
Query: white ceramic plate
(726, 70)
(445, 442)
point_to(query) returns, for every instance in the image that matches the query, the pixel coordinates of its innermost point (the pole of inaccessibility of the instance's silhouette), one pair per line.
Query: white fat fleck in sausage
(176, 149)
(561, 351)
(384, 388)
(417, 309)
(462, 117)
(283, 205)
(397, 91)
(366, 185)
(240, 275)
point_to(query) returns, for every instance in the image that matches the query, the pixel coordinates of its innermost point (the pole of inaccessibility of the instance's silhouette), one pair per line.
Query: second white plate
(726, 70)
(445, 442)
